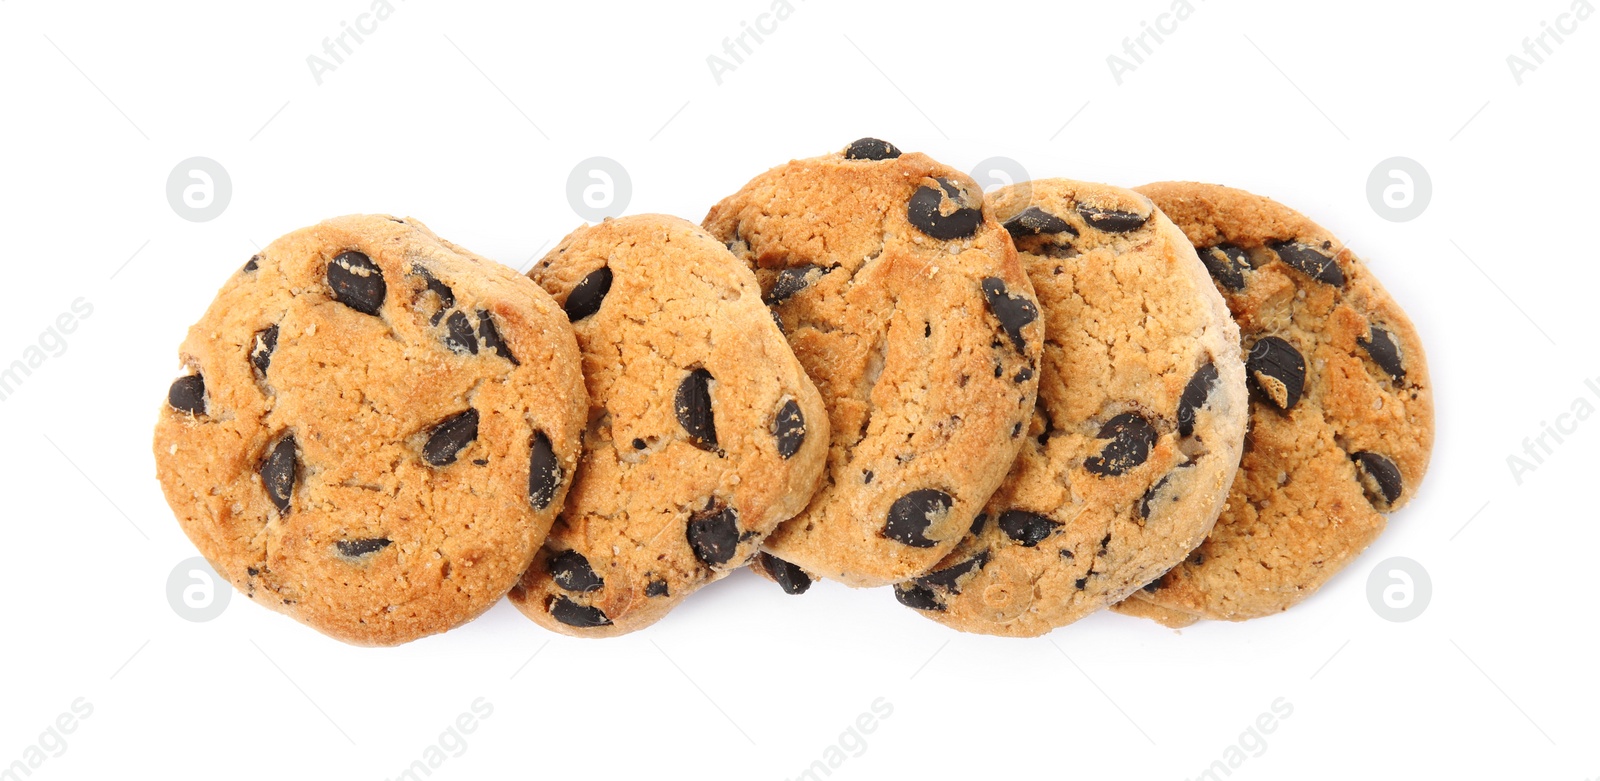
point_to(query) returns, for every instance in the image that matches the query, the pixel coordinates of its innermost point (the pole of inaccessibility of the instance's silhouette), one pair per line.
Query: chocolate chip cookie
(1138, 427)
(374, 430)
(1341, 417)
(704, 431)
(904, 300)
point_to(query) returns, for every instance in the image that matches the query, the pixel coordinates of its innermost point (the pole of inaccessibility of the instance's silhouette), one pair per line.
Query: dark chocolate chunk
(357, 282)
(923, 211)
(458, 334)
(917, 597)
(692, 403)
(1034, 221)
(1013, 312)
(1111, 220)
(251, 264)
(447, 297)
(1150, 496)
(911, 515)
(544, 472)
(491, 337)
(1385, 351)
(789, 427)
(188, 394)
(789, 577)
(1277, 371)
(355, 549)
(793, 280)
(714, 535)
(586, 298)
(656, 588)
(1227, 264)
(978, 524)
(261, 349)
(1380, 478)
(278, 473)
(1131, 439)
(1309, 261)
(1027, 528)
(573, 614)
(1194, 397)
(571, 572)
(449, 437)
(870, 149)
(948, 579)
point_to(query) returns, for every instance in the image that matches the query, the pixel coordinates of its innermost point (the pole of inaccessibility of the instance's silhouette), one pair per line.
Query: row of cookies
(377, 429)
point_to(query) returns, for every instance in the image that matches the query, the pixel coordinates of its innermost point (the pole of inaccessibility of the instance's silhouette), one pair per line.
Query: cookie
(1138, 427)
(375, 429)
(905, 302)
(704, 432)
(1341, 417)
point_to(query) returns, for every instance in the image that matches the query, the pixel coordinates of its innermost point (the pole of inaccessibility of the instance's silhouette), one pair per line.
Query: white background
(471, 116)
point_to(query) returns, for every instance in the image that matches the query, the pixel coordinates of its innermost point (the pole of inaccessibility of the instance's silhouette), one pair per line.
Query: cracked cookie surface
(905, 302)
(1136, 435)
(1341, 415)
(704, 430)
(375, 429)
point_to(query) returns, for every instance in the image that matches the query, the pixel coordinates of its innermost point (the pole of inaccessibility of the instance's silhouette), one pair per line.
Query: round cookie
(1138, 427)
(904, 300)
(1341, 418)
(704, 432)
(375, 431)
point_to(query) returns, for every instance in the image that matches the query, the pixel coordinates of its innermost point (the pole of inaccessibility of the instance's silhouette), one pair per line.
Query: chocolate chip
(491, 337)
(571, 571)
(978, 524)
(1194, 397)
(790, 577)
(1277, 371)
(923, 211)
(1153, 586)
(447, 297)
(789, 427)
(911, 515)
(1034, 221)
(573, 614)
(1310, 261)
(250, 265)
(793, 280)
(1227, 264)
(639, 444)
(1131, 439)
(948, 579)
(1013, 312)
(917, 597)
(870, 149)
(458, 334)
(586, 297)
(692, 404)
(1023, 375)
(1385, 351)
(450, 437)
(544, 472)
(1111, 220)
(656, 588)
(1380, 478)
(261, 349)
(355, 549)
(357, 282)
(777, 319)
(1150, 496)
(866, 476)
(1080, 583)
(278, 473)
(1027, 528)
(714, 535)
(188, 394)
